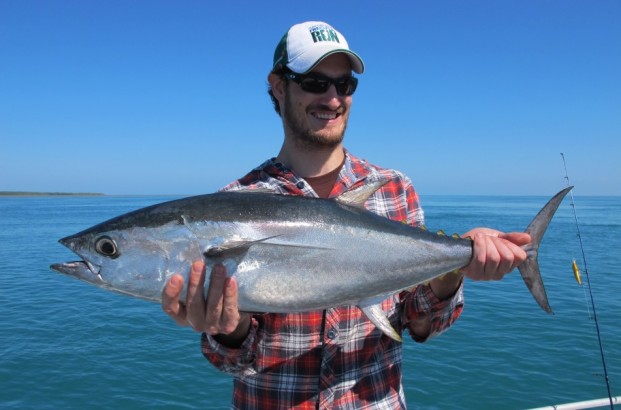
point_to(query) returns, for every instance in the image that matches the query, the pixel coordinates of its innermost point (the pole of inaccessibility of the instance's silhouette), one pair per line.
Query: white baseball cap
(304, 45)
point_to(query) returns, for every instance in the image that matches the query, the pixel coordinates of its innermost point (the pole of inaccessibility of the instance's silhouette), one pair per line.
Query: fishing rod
(586, 273)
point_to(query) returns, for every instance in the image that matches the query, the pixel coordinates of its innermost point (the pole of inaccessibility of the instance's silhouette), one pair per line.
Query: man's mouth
(326, 115)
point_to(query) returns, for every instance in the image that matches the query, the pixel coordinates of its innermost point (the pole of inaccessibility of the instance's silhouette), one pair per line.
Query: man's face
(318, 121)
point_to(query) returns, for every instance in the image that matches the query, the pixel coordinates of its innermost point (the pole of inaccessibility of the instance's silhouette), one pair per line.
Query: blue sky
(169, 97)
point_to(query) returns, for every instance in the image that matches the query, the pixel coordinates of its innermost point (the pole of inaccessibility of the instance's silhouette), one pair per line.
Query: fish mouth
(83, 270)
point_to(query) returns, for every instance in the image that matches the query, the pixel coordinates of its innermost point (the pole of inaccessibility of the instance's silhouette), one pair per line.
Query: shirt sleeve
(422, 303)
(234, 361)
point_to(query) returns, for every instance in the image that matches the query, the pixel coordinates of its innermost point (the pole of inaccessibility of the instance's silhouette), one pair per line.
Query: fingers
(215, 300)
(517, 238)
(495, 254)
(222, 315)
(170, 300)
(218, 314)
(230, 313)
(193, 311)
(195, 299)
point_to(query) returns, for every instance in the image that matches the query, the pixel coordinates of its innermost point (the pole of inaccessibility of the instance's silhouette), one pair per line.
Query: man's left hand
(494, 253)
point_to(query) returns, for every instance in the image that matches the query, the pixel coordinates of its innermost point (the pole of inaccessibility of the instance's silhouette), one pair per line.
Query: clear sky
(169, 97)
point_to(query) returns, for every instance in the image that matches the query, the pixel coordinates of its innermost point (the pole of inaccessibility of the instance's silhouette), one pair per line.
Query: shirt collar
(353, 174)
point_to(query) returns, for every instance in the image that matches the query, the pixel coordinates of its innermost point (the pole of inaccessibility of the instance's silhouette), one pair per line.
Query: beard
(304, 135)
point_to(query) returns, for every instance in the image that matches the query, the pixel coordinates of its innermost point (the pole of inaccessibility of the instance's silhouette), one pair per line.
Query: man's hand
(218, 315)
(495, 253)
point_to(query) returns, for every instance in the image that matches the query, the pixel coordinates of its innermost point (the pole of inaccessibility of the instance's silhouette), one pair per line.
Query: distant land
(24, 193)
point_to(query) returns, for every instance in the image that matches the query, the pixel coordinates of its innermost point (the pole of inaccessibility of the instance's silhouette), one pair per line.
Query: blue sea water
(65, 344)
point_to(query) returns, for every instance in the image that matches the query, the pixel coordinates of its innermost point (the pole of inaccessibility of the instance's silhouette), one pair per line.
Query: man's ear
(277, 84)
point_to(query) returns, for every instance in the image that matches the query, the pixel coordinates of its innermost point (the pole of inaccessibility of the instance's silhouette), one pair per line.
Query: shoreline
(26, 193)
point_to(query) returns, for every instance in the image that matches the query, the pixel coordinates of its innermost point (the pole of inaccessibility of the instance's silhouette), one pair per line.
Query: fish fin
(233, 247)
(301, 246)
(372, 308)
(530, 268)
(358, 196)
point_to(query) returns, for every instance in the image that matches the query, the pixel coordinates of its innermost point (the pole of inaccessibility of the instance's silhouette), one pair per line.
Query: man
(335, 358)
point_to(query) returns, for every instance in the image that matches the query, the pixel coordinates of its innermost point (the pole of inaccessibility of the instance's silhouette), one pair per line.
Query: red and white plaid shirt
(337, 358)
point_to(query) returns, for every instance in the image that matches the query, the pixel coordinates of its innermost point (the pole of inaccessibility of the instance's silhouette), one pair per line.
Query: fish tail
(530, 268)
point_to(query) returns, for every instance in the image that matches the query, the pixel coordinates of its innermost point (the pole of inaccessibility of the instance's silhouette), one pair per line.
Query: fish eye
(107, 247)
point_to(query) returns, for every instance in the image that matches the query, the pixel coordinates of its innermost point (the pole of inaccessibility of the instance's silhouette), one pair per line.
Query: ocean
(66, 344)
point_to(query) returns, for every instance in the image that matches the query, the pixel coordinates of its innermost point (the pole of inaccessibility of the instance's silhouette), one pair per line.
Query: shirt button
(331, 334)
(300, 185)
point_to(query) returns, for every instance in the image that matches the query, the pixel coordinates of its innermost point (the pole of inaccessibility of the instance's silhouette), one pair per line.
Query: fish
(287, 253)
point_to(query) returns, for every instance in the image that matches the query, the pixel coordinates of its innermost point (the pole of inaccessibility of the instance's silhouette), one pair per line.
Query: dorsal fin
(358, 196)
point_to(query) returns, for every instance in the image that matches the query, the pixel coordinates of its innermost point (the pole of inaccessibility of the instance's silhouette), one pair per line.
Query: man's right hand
(218, 315)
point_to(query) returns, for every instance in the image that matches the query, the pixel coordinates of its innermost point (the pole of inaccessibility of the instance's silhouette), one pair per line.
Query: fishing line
(588, 280)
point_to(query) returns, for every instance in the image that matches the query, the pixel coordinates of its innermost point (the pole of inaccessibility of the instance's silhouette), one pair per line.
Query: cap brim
(305, 63)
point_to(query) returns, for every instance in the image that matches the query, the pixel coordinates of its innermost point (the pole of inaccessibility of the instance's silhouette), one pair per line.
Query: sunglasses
(318, 83)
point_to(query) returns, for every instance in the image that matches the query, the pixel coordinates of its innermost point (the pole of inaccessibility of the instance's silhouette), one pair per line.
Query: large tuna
(287, 253)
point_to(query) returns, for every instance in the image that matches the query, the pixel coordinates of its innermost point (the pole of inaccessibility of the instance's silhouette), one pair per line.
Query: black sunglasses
(318, 83)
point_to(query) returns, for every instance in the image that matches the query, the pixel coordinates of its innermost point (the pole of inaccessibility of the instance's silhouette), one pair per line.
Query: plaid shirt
(334, 358)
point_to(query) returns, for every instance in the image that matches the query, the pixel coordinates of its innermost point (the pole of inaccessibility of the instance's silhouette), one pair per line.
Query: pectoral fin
(232, 248)
(372, 308)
